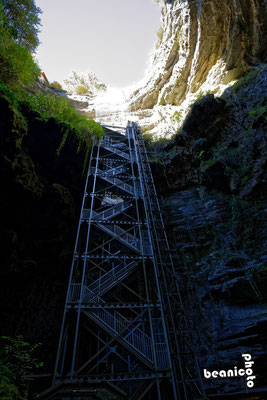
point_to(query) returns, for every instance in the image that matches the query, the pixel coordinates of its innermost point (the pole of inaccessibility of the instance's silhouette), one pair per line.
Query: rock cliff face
(203, 44)
(203, 47)
(40, 203)
(215, 202)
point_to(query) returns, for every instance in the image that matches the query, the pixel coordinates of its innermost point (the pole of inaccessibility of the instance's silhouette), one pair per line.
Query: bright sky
(112, 38)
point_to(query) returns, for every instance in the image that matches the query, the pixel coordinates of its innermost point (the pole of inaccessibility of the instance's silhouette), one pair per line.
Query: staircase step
(123, 236)
(108, 280)
(113, 149)
(117, 182)
(134, 339)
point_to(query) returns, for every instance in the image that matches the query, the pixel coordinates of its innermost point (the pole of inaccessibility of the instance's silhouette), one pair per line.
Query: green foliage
(258, 112)
(18, 37)
(177, 116)
(148, 137)
(9, 391)
(9, 94)
(16, 360)
(60, 108)
(201, 154)
(235, 159)
(200, 95)
(156, 153)
(19, 122)
(19, 20)
(245, 80)
(238, 161)
(88, 80)
(17, 67)
(81, 89)
(56, 85)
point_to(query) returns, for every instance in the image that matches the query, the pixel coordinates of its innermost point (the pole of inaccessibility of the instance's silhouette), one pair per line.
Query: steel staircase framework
(124, 333)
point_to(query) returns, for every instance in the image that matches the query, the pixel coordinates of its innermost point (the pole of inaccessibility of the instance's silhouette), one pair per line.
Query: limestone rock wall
(202, 45)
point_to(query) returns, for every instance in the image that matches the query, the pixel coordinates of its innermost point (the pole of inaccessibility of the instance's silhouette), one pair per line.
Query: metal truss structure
(124, 333)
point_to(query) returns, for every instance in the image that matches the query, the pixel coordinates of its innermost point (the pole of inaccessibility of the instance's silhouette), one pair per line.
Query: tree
(89, 80)
(56, 85)
(81, 89)
(20, 20)
(18, 38)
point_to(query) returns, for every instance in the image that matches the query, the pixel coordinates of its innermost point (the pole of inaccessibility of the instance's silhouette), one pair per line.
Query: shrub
(81, 89)
(16, 360)
(177, 117)
(55, 85)
(17, 67)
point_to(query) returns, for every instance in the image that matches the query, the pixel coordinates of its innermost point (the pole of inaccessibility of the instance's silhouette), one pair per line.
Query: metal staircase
(112, 147)
(112, 211)
(101, 285)
(120, 338)
(117, 182)
(120, 327)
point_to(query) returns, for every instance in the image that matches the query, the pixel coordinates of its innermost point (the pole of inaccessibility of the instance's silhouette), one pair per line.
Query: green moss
(52, 106)
(177, 117)
(148, 137)
(19, 122)
(238, 161)
(258, 112)
(245, 80)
